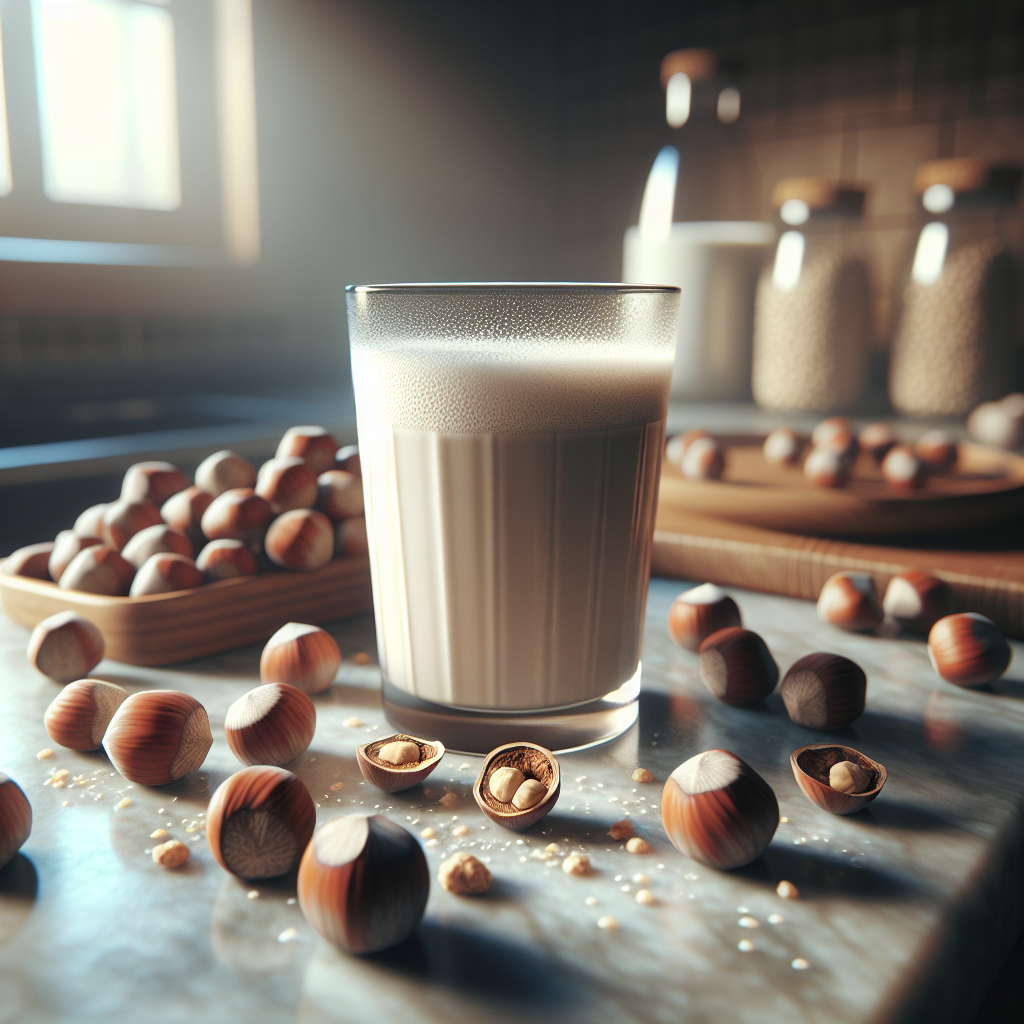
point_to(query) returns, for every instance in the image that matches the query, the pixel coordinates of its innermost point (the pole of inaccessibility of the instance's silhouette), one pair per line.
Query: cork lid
(695, 64)
(968, 179)
(820, 195)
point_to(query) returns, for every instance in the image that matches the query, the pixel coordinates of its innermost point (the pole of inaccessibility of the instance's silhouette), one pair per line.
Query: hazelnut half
(259, 822)
(464, 875)
(850, 600)
(158, 736)
(902, 468)
(814, 765)
(155, 540)
(15, 819)
(78, 716)
(301, 655)
(917, 600)
(697, 613)
(301, 539)
(32, 561)
(876, 439)
(166, 573)
(703, 460)
(271, 724)
(287, 484)
(123, 519)
(782, 447)
(824, 691)
(226, 559)
(312, 444)
(363, 883)
(224, 471)
(967, 649)
(737, 667)
(532, 798)
(67, 545)
(237, 514)
(184, 511)
(718, 810)
(152, 481)
(340, 495)
(398, 762)
(937, 449)
(98, 570)
(65, 647)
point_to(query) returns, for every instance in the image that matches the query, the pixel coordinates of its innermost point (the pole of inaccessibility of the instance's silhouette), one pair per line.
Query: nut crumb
(335, 786)
(57, 779)
(449, 800)
(352, 723)
(788, 891)
(288, 935)
(551, 848)
(465, 767)
(160, 833)
(642, 775)
(645, 898)
(621, 829)
(252, 894)
(641, 879)
(361, 658)
(608, 923)
(171, 854)
(464, 875)
(591, 901)
(638, 845)
(460, 830)
(745, 946)
(577, 864)
(749, 922)
(122, 804)
(799, 964)
(775, 919)
(46, 754)
(195, 826)
(66, 803)
(784, 820)
(428, 833)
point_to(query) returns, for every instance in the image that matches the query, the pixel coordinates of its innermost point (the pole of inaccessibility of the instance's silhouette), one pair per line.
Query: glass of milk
(511, 438)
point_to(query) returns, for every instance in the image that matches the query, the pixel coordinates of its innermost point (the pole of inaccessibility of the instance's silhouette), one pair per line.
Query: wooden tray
(161, 629)
(985, 487)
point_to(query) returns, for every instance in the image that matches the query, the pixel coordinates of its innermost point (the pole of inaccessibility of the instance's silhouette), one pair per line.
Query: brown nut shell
(827, 468)
(737, 667)
(718, 810)
(33, 561)
(536, 763)
(67, 545)
(811, 765)
(902, 469)
(123, 519)
(301, 655)
(166, 574)
(393, 778)
(302, 539)
(877, 439)
(967, 649)
(158, 736)
(824, 691)
(937, 449)
(226, 559)
(313, 445)
(65, 647)
(78, 716)
(340, 495)
(15, 819)
(363, 883)
(850, 600)
(783, 447)
(835, 434)
(271, 724)
(156, 540)
(152, 481)
(917, 600)
(350, 540)
(98, 570)
(90, 522)
(184, 511)
(259, 822)
(287, 484)
(676, 447)
(224, 471)
(697, 613)
(238, 514)
(702, 460)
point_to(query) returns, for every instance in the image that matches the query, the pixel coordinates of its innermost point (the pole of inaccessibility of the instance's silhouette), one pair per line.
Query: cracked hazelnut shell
(313, 445)
(697, 613)
(537, 764)
(225, 559)
(184, 512)
(302, 539)
(737, 667)
(287, 484)
(155, 540)
(152, 481)
(15, 819)
(824, 691)
(224, 471)
(98, 570)
(917, 600)
(811, 766)
(301, 655)
(271, 724)
(122, 519)
(33, 561)
(64, 549)
(393, 778)
(967, 649)
(78, 716)
(849, 600)
(65, 647)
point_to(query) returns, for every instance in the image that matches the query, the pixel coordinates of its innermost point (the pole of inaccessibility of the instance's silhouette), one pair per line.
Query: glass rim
(538, 287)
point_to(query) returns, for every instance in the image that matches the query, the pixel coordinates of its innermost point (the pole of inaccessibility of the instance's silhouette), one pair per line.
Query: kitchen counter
(907, 909)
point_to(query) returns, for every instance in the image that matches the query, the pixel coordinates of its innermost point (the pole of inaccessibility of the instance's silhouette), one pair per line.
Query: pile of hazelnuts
(166, 533)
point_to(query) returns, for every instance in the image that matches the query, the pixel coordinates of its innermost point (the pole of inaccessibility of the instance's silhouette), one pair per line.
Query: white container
(715, 264)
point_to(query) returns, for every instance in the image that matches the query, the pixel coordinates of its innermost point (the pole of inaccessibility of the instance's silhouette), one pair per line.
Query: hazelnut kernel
(399, 752)
(577, 864)
(638, 845)
(848, 777)
(621, 829)
(464, 875)
(642, 775)
(505, 783)
(171, 854)
(529, 794)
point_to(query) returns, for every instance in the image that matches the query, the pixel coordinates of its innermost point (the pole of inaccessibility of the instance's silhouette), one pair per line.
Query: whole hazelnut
(967, 649)
(697, 613)
(300, 655)
(65, 647)
(850, 600)
(184, 511)
(464, 875)
(67, 545)
(166, 573)
(877, 439)
(824, 691)
(737, 667)
(398, 762)
(271, 724)
(156, 540)
(350, 539)
(718, 810)
(340, 495)
(158, 736)
(238, 514)
(703, 460)
(98, 570)
(224, 471)
(347, 458)
(917, 600)
(937, 449)
(999, 424)
(32, 561)
(835, 434)
(528, 780)
(226, 559)
(79, 715)
(15, 819)
(782, 447)
(363, 883)
(826, 467)
(152, 481)
(301, 539)
(311, 444)
(676, 447)
(288, 483)
(90, 522)
(122, 519)
(902, 468)
(259, 822)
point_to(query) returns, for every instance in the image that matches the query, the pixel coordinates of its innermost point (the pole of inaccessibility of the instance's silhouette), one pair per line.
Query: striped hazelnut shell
(15, 819)
(340, 495)
(314, 445)
(237, 514)
(363, 883)
(155, 540)
(271, 724)
(917, 600)
(301, 539)
(737, 667)
(697, 613)
(824, 691)
(184, 511)
(65, 647)
(66, 546)
(393, 778)
(122, 519)
(850, 600)
(259, 822)
(158, 736)
(224, 471)
(718, 810)
(535, 762)
(225, 559)
(152, 481)
(301, 655)
(78, 716)
(967, 649)
(287, 483)
(33, 561)
(811, 765)
(166, 573)
(98, 570)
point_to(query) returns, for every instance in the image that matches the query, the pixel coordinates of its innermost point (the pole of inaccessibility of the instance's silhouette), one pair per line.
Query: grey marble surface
(907, 909)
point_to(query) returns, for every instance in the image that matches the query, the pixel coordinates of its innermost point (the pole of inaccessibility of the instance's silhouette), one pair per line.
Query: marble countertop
(907, 909)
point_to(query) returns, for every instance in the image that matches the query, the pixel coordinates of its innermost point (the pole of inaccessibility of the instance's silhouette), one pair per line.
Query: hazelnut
(90, 522)
(259, 822)
(533, 796)
(171, 854)
(697, 613)
(850, 600)
(737, 667)
(123, 519)
(312, 444)
(287, 484)
(703, 460)
(65, 647)
(301, 539)
(363, 883)
(621, 830)
(184, 511)
(166, 573)
(79, 715)
(347, 458)
(577, 864)
(155, 540)
(271, 724)
(902, 468)
(152, 481)
(98, 570)
(464, 875)
(158, 736)
(837, 778)
(782, 447)
(340, 495)
(226, 559)
(999, 424)
(642, 775)
(65, 547)
(676, 447)
(350, 538)
(835, 434)
(300, 655)
(224, 471)
(398, 762)
(238, 514)
(937, 449)
(917, 600)
(876, 439)
(718, 810)
(967, 649)
(824, 691)
(15, 819)
(32, 561)
(826, 467)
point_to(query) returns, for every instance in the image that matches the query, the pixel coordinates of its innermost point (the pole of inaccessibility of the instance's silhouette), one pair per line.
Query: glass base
(478, 731)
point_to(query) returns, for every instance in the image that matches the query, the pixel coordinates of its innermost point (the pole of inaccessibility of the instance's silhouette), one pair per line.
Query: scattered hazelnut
(226, 559)
(637, 845)
(79, 715)
(826, 468)
(300, 539)
(90, 522)
(340, 494)
(850, 600)
(876, 439)
(837, 778)
(999, 424)
(287, 484)
(237, 514)
(123, 519)
(787, 890)
(98, 570)
(350, 538)
(718, 810)
(642, 775)
(155, 540)
(937, 449)
(835, 434)
(184, 511)
(154, 482)
(363, 883)
(171, 854)
(824, 691)
(65, 647)
(737, 667)
(300, 655)
(577, 864)
(464, 875)
(967, 649)
(902, 468)
(621, 830)
(697, 613)
(64, 549)
(703, 460)
(259, 822)
(532, 798)
(312, 444)
(32, 561)
(398, 762)
(158, 736)
(347, 458)
(165, 574)
(848, 777)
(15, 819)
(782, 447)
(677, 446)
(271, 724)
(917, 600)
(224, 471)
